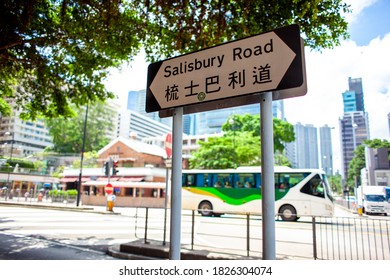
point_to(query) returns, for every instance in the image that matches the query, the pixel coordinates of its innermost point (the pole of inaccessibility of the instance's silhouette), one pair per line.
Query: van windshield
(327, 187)
(375, 198)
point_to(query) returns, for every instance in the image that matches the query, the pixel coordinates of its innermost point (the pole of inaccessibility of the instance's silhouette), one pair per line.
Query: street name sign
(244, 99)
(266, 62)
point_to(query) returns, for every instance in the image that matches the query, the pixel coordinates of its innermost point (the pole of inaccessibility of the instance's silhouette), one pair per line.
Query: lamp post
(12, 147)
(354, 128)
(82, 156)
(232, 123)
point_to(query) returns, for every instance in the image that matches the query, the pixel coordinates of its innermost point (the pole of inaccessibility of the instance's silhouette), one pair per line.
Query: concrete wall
(124, 201)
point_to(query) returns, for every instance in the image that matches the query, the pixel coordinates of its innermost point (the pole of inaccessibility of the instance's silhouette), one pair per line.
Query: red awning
(112, 179)
(68, 179)
(73, 179)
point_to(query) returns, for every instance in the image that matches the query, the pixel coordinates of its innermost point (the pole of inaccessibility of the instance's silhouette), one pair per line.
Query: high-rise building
(303, 152)
(326, 153)
(22, 137)
(211, 121)
(349, 101)
(136, 101)
(356, 86)
(354, 128)
(134, 125)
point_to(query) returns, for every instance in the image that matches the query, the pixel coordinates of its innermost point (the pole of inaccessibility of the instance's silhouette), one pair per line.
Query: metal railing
(326, 238)
(351, 238)
(37, 197)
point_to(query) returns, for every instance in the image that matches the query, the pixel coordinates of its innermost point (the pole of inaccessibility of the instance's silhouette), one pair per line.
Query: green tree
(359, 159)
(54, 53)
(67, 133)
(240, 144)
(283, 131)
(219, 152)
(177, 26)
(90, 160)
(335, 184)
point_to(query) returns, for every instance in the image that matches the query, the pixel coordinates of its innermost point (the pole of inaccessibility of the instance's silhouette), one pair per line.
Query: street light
(354, 128)
(232, 123)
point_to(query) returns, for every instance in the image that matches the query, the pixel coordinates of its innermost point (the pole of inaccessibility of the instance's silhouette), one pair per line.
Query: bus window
(257, 180)
(224, 180)
(296, 178)
(190, 180)
(288, 180)
(202, 180)
(245, 181)
(314, 187)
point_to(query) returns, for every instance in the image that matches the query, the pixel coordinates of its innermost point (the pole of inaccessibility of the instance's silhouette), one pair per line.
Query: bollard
(110, 202)
(110, 206)
(360, 211)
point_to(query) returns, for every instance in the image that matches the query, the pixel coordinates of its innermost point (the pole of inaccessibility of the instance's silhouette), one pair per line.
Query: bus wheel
(205, 208)
(288, 213)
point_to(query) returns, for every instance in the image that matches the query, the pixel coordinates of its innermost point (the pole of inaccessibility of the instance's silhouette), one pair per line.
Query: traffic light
(106, 168)
(115, 167)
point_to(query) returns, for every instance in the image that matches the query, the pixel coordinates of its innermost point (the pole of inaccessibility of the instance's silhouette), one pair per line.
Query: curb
(154, 250)
(57, 207)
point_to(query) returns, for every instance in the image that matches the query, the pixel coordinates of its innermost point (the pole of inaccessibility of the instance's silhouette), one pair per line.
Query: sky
(366, 55)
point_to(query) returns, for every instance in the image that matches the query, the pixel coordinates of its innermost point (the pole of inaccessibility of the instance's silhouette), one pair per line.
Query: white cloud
(357, 7)
(131, 76)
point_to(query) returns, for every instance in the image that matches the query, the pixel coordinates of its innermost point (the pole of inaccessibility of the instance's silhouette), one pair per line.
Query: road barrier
(325, 238)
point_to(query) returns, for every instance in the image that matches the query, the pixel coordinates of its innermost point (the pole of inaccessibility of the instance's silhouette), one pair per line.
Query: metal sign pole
(267, 174)
(177, 143)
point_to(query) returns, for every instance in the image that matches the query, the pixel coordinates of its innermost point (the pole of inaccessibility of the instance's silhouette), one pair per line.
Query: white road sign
(265, 62)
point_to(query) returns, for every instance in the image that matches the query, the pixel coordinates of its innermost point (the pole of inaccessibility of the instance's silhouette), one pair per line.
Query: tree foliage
(335, 183)
(240, 144)
(178, 26)
(67, 133)
(54, 53)
(283, 131)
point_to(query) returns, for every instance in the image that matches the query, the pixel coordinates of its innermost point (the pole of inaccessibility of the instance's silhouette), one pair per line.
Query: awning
(73, 179)
(132, 179)
(145, 185)
(112, 179)
(68, 179)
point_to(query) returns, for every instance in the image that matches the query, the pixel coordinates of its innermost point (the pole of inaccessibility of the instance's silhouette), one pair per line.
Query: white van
(372, 199)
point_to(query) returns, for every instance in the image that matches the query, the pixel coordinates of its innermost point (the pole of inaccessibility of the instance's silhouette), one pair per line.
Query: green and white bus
(298, 192)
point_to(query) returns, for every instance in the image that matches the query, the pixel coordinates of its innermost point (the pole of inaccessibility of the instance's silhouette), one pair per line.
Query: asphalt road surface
(14, 247)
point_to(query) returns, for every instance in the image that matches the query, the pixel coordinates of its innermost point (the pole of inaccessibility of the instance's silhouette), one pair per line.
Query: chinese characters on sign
(261, 74)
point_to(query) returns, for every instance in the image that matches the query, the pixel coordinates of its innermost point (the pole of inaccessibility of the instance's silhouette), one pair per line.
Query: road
(29, 233)
(21, 247)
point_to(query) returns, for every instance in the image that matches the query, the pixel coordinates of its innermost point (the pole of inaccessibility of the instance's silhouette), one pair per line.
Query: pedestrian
(26, 195)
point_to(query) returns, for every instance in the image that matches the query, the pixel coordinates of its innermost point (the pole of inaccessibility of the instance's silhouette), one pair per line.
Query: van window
(315, 187)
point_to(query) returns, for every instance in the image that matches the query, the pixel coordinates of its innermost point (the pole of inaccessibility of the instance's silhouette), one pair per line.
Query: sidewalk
(66, 206)
(53, 205)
